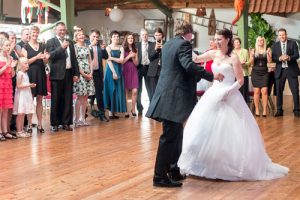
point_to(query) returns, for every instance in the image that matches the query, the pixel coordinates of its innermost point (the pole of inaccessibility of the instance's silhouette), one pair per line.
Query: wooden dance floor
(115, 161)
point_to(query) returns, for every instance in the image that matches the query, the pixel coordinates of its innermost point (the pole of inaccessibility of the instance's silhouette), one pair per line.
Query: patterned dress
(83, 87)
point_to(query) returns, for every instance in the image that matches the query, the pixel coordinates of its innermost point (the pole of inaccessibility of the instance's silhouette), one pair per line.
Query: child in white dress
(23, 103)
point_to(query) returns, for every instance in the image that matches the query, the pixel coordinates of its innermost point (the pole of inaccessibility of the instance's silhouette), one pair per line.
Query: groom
(173, 101)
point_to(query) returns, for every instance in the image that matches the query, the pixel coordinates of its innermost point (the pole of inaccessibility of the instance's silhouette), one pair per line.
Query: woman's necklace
(35, 46)
(220, 58)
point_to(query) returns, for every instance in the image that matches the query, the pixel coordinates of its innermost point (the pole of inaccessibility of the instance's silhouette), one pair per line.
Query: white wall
(133, 20)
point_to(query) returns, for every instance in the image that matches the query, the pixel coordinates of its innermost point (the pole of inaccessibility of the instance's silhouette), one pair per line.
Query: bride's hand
(218, 76)
(225, 95)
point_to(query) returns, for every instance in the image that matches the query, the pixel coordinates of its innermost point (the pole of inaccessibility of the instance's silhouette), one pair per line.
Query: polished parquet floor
(115, 161)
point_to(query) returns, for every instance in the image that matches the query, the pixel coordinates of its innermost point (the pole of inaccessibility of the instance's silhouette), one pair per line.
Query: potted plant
(260, 27)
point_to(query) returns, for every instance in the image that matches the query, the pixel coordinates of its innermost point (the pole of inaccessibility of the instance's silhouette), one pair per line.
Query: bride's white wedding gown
(222, 139)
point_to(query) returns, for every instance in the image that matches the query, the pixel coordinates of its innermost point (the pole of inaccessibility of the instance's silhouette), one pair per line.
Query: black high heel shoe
(133, 114)
(40, 129)
(29, 129)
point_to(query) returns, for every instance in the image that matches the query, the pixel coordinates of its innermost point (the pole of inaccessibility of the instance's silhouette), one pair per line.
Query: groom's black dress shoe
(165, 182)
(177, 177)
(279, 113)
(67, 128)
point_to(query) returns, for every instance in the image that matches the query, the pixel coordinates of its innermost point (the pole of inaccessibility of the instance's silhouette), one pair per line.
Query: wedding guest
(154, 57)
(130, 72)
(85, 85)
(64, 71)
(36, 53)
(114, 90)
(14, 54)
(285, 54)
(23, 100)
(25, 38)
(6, 91)
(259, 59)
(243, 55)
(143, 53)
(98, 52)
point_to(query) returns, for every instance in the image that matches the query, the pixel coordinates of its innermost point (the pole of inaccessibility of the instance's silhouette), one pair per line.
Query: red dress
(6, 88)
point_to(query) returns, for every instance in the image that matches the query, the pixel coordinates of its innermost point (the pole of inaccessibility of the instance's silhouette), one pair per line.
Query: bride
(221, 138)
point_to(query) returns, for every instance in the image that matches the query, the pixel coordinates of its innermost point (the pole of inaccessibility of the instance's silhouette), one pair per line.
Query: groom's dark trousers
(169, 149)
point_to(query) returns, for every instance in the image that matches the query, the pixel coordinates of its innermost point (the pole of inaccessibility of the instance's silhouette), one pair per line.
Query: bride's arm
(207, 56)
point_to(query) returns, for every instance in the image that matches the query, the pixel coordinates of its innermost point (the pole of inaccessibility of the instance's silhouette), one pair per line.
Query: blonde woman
(259, 57)
(36, 54)
(85, 86)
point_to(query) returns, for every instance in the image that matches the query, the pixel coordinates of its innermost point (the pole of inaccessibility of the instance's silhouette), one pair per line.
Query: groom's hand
(218, 76)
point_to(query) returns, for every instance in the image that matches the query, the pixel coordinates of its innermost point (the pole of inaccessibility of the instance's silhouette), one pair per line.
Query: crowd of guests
(76, 67)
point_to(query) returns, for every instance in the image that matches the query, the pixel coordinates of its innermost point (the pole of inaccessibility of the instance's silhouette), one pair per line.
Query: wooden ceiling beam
(177, 5)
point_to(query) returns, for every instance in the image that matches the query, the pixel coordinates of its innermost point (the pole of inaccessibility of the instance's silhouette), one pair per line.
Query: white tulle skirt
(222, 141)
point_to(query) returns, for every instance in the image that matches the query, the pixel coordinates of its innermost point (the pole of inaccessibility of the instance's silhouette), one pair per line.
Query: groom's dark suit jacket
(175, 94)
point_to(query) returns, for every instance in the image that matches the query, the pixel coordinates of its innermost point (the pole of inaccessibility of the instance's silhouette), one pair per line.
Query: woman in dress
(114, 90)
(130, 72)
(221, 138)
(35, 52)
(85, 86)
(243, 55)
(23, 101)
(6, 88)
(259, 75)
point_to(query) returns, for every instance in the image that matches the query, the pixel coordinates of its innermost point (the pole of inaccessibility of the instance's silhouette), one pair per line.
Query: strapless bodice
(227, 71)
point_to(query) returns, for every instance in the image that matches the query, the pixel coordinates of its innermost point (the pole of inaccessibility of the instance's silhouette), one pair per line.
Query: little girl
(23, 97)
(6, 88)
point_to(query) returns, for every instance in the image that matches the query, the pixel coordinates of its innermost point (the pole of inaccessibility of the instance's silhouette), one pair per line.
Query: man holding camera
(98, 52)
(154, 57)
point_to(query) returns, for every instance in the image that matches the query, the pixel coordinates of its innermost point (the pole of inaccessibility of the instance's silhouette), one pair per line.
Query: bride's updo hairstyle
(227, 34)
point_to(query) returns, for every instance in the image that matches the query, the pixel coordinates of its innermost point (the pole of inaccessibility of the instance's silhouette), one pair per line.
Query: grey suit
(142, 73)
(174, 100)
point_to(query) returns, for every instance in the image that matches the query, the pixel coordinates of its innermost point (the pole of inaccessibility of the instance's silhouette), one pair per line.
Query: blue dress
(114, 91)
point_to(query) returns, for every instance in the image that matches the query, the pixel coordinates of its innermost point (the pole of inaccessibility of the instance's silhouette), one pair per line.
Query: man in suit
(143, 56)
(154, 57)
(98, 52)
(63, 72)
(285, 54)
(173, 101)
